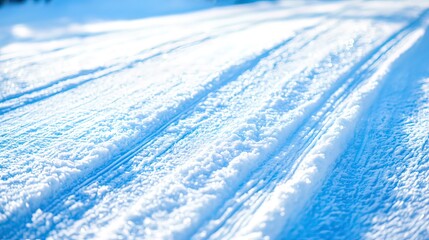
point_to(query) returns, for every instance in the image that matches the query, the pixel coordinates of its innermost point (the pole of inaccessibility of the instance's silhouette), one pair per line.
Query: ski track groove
(113, 69)
(58, 87)
(272, 168)
(187, 110)
(6, 118)
(82, 73)
(357, 74)
(130, 154)
(137, 149)
(365, 163)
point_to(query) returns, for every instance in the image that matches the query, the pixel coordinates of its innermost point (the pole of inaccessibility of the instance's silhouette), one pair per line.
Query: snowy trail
(252, 121)
(362, 168)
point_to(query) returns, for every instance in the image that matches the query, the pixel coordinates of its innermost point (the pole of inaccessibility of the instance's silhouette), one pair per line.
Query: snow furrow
(227, 76)
(313, 166)
(304, 140)
(291, 119)
(161, 231)
(372, 163)
(94, 161)
(149, 41)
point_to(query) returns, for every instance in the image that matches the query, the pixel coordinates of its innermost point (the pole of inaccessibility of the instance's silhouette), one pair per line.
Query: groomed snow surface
(289, 120)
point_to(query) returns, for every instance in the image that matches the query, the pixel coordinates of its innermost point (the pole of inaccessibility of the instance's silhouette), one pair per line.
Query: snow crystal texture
(284, 120)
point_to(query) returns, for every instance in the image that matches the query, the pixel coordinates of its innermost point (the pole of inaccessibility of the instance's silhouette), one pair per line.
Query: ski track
(267, 120)
(363, 167)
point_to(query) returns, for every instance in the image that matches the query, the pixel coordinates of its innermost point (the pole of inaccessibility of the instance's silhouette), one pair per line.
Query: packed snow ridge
(281, 120)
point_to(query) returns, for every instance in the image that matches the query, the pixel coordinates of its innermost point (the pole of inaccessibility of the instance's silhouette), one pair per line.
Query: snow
(288, 119)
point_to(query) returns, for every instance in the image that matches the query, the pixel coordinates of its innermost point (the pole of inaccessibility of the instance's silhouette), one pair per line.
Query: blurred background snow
(20, 19)
(102, 9)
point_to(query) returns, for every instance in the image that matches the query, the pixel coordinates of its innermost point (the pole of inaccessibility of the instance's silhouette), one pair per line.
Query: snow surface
(295, 119)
